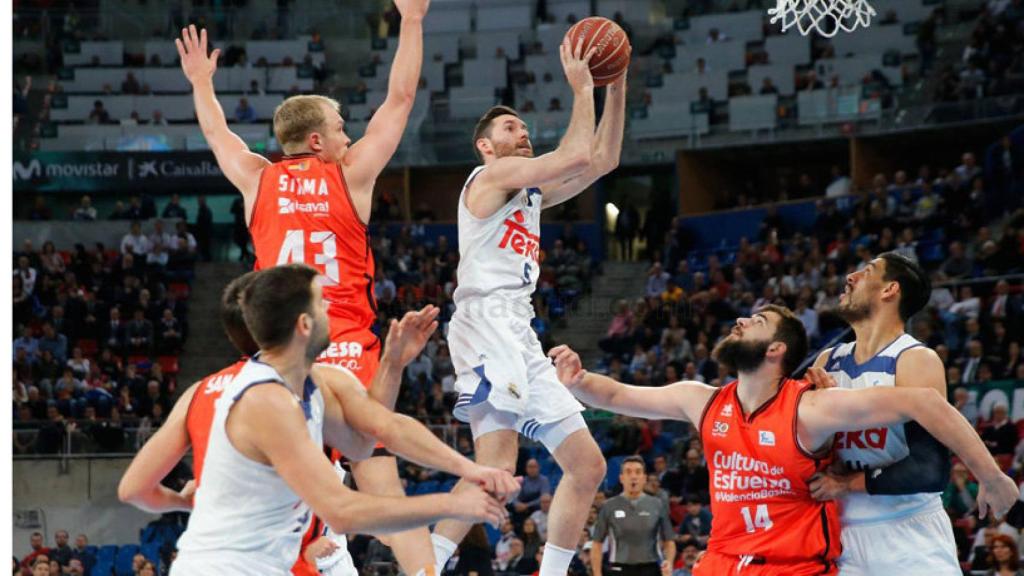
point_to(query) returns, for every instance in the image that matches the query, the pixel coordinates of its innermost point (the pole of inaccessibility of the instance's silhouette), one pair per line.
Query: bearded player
(506, 384)
(767, 435)
(313, 207)
(890, 491)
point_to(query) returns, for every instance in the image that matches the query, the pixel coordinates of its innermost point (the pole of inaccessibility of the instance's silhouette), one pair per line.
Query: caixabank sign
(117, 171)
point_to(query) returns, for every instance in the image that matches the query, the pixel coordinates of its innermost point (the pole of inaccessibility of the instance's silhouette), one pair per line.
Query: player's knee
(589, 466)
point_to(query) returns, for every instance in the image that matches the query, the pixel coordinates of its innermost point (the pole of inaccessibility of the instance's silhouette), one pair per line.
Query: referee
(635, 522)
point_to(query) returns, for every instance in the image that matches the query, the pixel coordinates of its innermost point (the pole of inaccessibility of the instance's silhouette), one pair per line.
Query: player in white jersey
(506, 384)
(890, 494)
(264, 471)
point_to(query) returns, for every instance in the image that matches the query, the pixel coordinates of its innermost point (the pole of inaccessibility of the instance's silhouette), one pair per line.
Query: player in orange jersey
(766, 434)
(354, 423)
(313, 206)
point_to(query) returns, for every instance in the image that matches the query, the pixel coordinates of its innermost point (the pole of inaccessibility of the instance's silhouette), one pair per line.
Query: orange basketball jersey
(199, 417)
(303, 213)
(762, 510)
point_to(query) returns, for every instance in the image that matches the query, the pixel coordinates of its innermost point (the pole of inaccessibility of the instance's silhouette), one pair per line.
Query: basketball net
(827, 17)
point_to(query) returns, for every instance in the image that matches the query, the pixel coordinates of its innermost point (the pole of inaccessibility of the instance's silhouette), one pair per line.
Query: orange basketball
(613, 48)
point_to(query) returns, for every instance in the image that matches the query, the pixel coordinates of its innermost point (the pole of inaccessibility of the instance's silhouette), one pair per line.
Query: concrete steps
(207, 349)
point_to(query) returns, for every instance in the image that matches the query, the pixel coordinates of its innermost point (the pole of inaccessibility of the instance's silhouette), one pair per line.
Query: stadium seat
(180, 290)
(106, 553)
(611, 478)
(169, 364)
(102, 569)
(152, 552)
(123, 562)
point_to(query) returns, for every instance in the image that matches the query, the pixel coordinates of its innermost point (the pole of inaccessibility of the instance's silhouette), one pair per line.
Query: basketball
(613, 48)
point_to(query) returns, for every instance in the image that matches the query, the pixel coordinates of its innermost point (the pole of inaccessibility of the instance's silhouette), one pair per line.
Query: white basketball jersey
(877, 447)
(499, 255)
(246, 519)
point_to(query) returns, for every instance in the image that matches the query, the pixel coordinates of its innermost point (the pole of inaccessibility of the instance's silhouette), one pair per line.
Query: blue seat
(152, 552)
(102, 569)
(106, 554)
(123, 562)
(611, 479)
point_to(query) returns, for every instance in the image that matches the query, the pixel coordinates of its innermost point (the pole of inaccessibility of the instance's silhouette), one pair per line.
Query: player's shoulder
(919, 364)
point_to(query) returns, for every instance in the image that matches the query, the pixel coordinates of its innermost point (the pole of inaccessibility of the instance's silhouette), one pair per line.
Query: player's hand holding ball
(603, 44)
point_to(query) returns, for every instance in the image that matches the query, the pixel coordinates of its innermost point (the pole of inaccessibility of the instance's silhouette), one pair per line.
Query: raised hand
(577, 65)
(192, 49)
(568, 366)
(406, 338)
(412, 9)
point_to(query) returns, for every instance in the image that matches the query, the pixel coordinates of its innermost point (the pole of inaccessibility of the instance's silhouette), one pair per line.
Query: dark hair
(274, 300)
(483, 126)
(634, 460)
(231, 317)
(915, 286)
(790, 331)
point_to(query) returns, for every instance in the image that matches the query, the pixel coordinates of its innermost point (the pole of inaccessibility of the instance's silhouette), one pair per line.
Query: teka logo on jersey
(863, 439)
(726, 410)
(519, 239)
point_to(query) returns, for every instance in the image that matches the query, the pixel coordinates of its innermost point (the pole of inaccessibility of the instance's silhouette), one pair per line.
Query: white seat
(753, 112)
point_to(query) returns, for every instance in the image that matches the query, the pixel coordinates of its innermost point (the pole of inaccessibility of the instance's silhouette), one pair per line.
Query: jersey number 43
(293, 249)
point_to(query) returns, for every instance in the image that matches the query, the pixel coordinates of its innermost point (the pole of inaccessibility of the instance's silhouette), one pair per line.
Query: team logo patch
(727, 410)
(766, 438)
(719, 429)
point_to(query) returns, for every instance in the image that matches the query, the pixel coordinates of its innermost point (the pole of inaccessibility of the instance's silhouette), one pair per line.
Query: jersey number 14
(293, 249)
(760, 520)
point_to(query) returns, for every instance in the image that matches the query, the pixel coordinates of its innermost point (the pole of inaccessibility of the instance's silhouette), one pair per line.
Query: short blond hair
(297, 116)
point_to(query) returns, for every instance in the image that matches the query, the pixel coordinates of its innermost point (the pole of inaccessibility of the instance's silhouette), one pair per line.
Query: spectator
(61, 551)
(475, 554)
(244, 112)
(961, 494)
(158, 119)
(540, 517)
(174, 209)
(130, 85)
(518, 563)
(1001, 434)
(503, 547)
(99, 114)
(534, 485)
(135, 243)
(694, 480)
(39, 550)
(1003, 557)
(114, 335)
(41, 566)
(687, 559)
(169, 337)
(695, 527)
(618, 337)
(768, 87)
(27, 274)
(85, 210)
(204, 230)
(27, 342)
(532, 541)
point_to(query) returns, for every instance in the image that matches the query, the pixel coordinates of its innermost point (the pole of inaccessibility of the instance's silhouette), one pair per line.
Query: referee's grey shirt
(634, 526)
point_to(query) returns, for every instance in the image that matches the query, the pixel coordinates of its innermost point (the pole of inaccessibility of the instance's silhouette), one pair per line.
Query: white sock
(556, 560)
(443, 551)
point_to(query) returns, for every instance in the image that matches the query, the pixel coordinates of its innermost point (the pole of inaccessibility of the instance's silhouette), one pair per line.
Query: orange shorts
(717, 564)
(359, 353)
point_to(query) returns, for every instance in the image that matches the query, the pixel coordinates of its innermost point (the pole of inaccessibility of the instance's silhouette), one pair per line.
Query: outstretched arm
(680, 401)
(607, 148)
(572, 157)
(140, 486)
(368, 157)
(822, 413)
(239, 165)
(921, 368)
(268, 426)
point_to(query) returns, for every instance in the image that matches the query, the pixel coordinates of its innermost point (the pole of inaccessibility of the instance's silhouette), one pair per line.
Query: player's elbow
(127, 493)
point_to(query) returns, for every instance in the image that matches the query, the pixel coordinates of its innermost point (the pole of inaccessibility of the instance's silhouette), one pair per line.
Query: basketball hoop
(827, 17)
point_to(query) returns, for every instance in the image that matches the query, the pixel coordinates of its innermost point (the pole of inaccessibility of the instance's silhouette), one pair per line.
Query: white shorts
(919, 545)
(500, 363)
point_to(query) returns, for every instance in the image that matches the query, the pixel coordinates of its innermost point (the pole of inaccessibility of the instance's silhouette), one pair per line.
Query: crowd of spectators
(98, 334)
(991, 63)
(61, 559)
